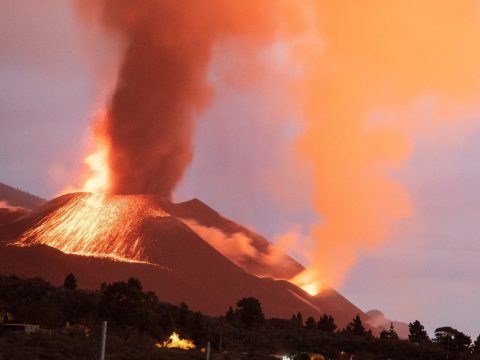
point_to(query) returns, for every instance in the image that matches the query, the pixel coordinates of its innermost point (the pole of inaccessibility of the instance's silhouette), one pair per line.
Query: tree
(230, 315)
(452, 339)
(356, 326)
(326, 323)
(128, 307)
(77, 306)
(250, 311)
(310, 323)
(183, 314)
(462, 342)
(297, 319)
(417, 333)
(197, 326)
(476, 345)
(70, 282)
(391, 334)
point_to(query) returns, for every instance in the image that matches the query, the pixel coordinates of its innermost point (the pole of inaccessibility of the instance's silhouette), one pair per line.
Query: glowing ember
(96, 225)
(174, 341)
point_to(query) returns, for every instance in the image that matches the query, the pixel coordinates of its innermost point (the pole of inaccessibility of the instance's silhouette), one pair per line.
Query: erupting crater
(105, 238)
(98, 225)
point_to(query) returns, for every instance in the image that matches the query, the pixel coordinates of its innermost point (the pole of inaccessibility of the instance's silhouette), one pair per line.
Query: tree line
(138, 319)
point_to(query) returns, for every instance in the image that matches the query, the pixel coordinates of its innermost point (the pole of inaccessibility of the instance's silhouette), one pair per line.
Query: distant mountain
(19, 198)
(378, 319)
(180, 264)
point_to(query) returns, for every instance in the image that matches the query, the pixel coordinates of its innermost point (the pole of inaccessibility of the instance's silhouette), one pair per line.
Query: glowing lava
(98, 176)
(99, 179)
(96, 225)
(307, 281)
(174, 341)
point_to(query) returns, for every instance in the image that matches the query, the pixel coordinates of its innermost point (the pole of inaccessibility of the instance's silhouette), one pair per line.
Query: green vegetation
(70, 321)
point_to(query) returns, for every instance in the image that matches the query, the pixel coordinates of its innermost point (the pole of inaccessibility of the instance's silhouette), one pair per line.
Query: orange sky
(376, 56)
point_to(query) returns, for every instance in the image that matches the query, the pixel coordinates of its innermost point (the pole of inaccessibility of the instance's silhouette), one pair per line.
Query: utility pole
(208, 351)
(220, 350)
(104, 340)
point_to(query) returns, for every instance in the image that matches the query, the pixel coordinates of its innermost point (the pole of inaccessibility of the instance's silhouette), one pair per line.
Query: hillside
(16, 197)
(181, 266)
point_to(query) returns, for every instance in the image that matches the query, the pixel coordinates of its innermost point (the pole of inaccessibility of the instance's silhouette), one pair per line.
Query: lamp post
(104, 340)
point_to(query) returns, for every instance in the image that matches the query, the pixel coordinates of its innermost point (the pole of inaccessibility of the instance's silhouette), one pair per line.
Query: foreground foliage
(137, 320)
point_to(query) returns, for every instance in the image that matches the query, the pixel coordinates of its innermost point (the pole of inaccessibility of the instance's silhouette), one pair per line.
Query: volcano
(106, 238)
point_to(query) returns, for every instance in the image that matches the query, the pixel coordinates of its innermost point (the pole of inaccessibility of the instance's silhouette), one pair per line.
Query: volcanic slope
(15, 203)
(117, 237)
(16, 197)
(257, 260)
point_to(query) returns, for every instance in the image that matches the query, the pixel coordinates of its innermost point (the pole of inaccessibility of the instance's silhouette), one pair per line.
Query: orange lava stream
(308, 282)
(96, 225)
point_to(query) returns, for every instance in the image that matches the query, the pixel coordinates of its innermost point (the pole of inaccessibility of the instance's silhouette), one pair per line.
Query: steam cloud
(238, 246)
(162, 82)
(5, 205)
(378, 61)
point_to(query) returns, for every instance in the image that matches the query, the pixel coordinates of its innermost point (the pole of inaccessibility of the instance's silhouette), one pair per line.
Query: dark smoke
(162, 83)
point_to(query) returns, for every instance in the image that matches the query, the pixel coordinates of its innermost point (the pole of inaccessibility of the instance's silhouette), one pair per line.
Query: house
(26, 328)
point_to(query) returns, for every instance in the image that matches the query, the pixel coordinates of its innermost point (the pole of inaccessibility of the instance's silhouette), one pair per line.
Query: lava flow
(97, 225)
(309, 283)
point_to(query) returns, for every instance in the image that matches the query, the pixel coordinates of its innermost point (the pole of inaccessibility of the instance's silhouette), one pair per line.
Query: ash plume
(162, 81)
(345, 81)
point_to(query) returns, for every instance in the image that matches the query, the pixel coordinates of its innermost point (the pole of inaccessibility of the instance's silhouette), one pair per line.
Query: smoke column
(162, 82)
(350, 61)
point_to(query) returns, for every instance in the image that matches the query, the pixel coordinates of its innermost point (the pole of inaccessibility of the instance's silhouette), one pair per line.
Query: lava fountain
(94, 223)
(97, 177)
(98, 225)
